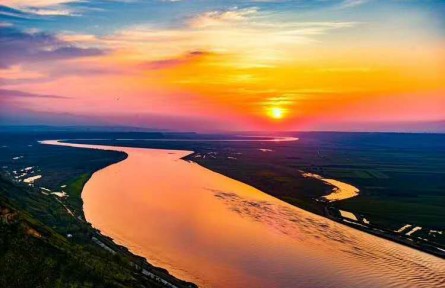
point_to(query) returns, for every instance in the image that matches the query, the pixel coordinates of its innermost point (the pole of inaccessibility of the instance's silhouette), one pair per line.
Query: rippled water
(218, 232)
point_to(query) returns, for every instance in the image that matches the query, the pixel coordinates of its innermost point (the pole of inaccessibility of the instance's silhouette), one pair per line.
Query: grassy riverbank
(400, 177)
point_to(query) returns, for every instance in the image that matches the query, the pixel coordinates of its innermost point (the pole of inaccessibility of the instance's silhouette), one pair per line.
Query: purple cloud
(173, 62)
(6, 93)
(18, 46)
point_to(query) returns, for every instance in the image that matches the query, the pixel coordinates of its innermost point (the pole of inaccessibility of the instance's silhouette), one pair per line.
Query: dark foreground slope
(33, 255)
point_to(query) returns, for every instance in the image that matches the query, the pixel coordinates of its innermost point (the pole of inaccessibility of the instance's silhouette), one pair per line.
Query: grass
(392, 212)
(74, 190)
(48, 259)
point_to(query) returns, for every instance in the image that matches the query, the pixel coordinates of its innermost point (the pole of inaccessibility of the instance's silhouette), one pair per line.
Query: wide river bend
(218, 232)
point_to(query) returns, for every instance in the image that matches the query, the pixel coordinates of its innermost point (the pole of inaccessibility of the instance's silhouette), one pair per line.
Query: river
(218, 232)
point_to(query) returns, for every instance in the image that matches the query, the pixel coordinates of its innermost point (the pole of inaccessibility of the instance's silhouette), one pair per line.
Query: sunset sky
(223, 65)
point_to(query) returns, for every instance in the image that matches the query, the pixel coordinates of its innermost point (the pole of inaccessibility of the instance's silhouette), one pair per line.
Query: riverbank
(322, 205)
(139, 263)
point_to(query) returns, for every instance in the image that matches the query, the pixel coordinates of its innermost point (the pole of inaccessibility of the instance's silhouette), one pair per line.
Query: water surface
(217, 232)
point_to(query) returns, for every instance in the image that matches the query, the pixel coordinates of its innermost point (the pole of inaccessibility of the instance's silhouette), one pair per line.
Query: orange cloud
(233, 65)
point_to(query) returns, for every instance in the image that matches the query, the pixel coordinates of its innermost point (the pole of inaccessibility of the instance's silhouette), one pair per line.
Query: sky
(196, 65)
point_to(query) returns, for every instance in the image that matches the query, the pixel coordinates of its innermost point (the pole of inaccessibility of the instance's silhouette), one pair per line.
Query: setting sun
(276, 113)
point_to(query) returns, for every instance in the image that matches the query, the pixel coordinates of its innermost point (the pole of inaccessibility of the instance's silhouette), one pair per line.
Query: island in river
(281, 225)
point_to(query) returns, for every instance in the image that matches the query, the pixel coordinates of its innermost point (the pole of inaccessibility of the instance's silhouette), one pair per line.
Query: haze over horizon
(341, 65)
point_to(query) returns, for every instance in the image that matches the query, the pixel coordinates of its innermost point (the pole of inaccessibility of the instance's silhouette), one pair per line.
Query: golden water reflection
(218, 232)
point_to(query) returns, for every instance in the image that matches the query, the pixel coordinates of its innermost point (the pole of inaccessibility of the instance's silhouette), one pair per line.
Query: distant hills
(76, 128)
(397, 127)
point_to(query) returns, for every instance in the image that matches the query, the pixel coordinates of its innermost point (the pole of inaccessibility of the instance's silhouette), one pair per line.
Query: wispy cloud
(52, 12)
(24, 8)
(352, 3)
(245, 32)
(16, 72)
(11, 13)
(34, 3)
(174, 62)
(5, 93)
(222, 17)
(19, 46)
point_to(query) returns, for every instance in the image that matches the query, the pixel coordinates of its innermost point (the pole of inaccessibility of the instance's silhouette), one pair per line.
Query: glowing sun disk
(276, 113)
